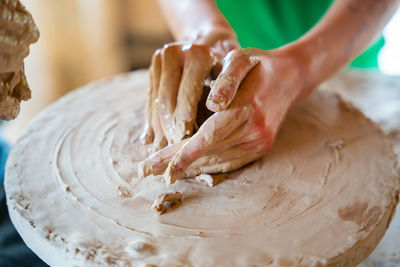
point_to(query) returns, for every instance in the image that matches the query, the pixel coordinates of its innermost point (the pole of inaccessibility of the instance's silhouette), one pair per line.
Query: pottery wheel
(323, 196)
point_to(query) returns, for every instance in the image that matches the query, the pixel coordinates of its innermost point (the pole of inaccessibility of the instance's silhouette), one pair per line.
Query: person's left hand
(250, 98)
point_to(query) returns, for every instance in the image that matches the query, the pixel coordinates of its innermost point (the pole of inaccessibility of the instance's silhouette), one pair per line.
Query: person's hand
(251, 96)
(177, 74)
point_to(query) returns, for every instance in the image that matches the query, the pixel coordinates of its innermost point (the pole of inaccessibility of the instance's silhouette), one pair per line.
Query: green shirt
(268, 24)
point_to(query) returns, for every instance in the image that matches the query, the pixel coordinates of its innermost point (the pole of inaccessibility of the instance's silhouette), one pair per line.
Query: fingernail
(217, 99)
(147, 135)
(173, 173)
(144, 138)
(169, 176)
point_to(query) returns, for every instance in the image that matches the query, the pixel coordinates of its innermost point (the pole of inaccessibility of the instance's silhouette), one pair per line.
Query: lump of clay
(17, 32)
(165, 201)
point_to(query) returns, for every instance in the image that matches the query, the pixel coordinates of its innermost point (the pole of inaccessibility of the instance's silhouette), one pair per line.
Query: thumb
(237, 64)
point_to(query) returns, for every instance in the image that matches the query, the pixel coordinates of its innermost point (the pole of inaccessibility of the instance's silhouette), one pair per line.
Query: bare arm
(196, 21)
(347, 28)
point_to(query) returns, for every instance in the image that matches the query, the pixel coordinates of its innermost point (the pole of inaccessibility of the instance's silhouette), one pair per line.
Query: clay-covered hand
(177, 73)
(250, 98)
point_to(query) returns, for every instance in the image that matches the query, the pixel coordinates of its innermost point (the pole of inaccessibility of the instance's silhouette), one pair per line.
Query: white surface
(389, 56)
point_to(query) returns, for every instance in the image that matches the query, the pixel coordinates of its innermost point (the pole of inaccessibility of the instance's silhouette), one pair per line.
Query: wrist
(210, 33)
(308, 61)
(221, 39)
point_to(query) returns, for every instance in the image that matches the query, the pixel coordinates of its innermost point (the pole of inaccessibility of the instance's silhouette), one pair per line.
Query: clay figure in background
(253, 92)
(17, 32)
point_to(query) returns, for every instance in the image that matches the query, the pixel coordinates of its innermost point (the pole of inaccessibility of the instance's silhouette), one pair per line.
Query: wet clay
(323, 196)
(165, 201)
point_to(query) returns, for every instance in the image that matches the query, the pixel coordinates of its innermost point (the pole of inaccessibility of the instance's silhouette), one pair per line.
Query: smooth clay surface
(323, 196)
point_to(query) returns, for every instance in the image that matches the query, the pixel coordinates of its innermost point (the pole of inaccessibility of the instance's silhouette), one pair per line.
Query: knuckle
(201, 48)
(156, 57)
(157, 52)
(161, 102)
(265, 141)
(260, 146)
(171, 48)
(264, 147)
(258, 135)
(234, 53)
(198, 50)
(242, 56)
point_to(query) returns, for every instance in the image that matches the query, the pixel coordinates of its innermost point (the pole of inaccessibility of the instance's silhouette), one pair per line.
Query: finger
(155, 72)
(159, 141)
(226, 161)
(171, 72)
(237, 64)
(211, 133)
(197, 66)
(156, 163)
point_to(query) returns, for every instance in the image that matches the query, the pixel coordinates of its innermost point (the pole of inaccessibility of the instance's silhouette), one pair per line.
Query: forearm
(347, 28)
(196, 21)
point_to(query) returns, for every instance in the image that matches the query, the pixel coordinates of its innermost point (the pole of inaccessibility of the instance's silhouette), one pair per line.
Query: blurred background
(82, 41)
